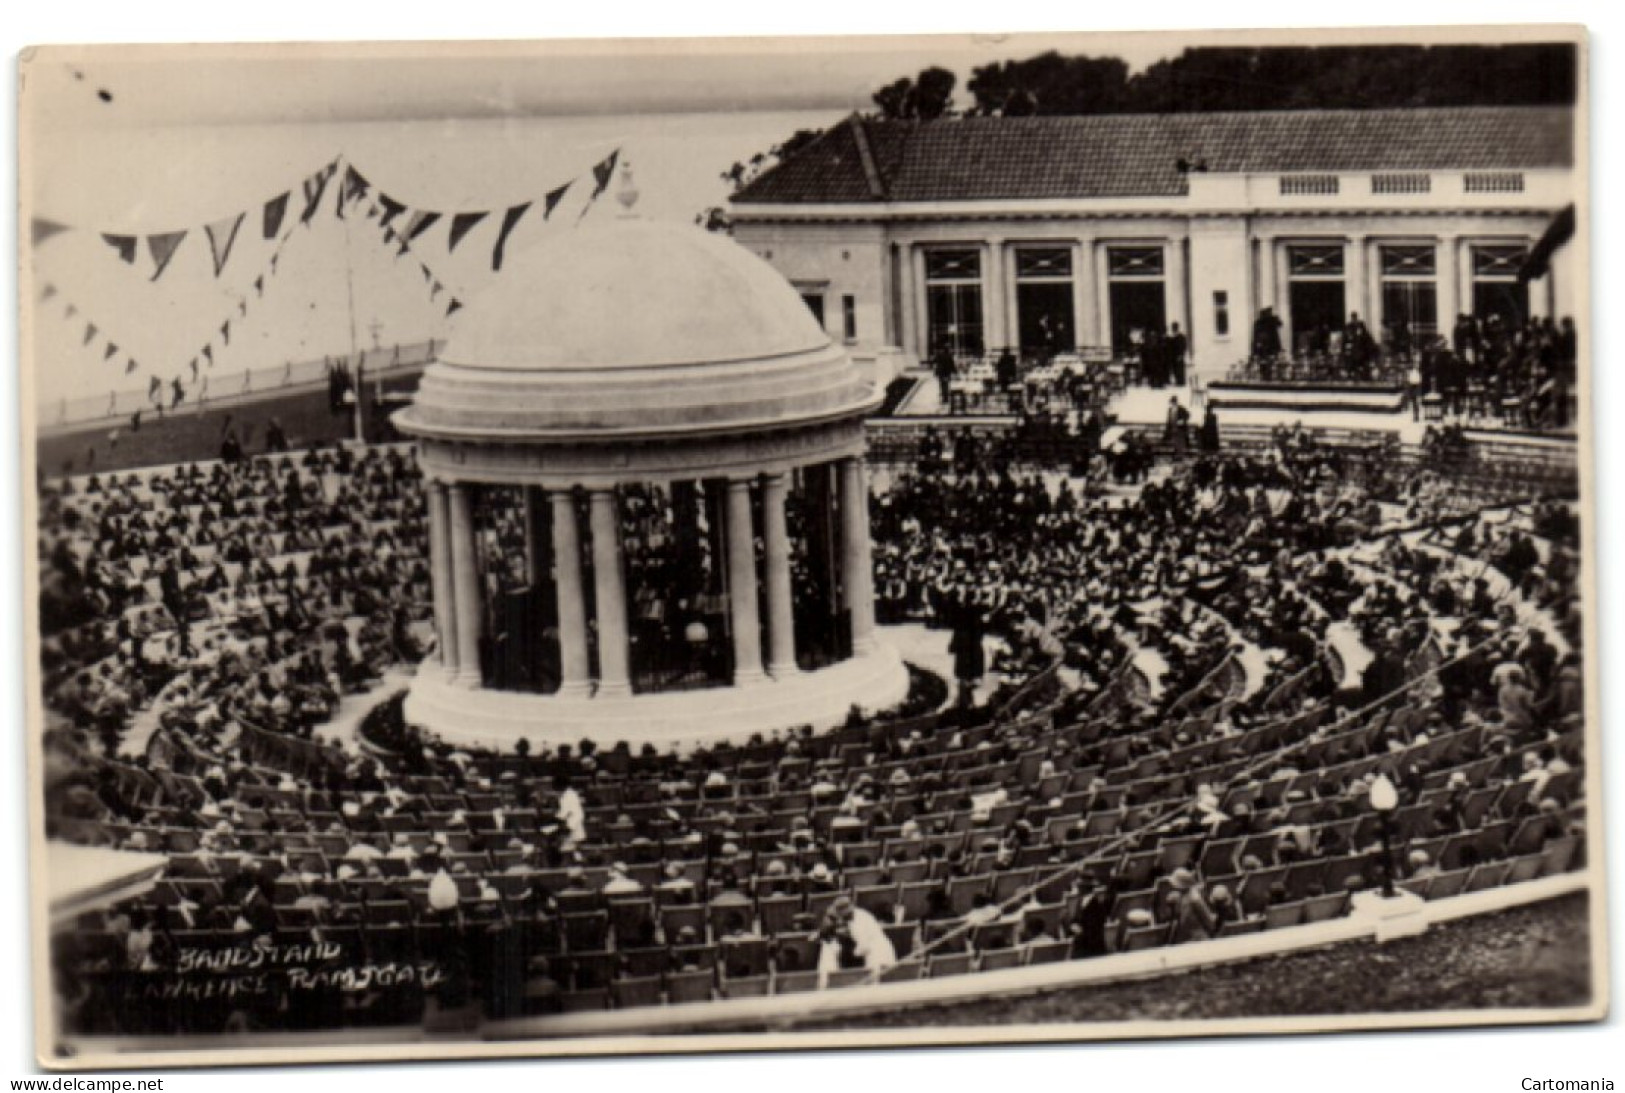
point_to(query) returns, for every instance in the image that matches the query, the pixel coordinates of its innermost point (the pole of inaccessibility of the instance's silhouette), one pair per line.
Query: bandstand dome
(635, 327)
(655, 413)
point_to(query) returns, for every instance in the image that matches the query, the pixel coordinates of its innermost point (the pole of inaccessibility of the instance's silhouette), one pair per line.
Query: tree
(1051, 84)
(743, 173)
(929, 95)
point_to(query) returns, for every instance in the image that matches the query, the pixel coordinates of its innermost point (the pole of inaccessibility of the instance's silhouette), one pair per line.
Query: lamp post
(1384, 800)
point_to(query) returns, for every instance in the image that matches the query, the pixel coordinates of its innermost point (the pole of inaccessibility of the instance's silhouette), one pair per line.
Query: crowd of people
(1196, 680)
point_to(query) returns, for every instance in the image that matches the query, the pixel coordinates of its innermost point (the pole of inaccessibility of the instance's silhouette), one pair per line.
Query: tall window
(1221, 314)
(1044, 300)
(1315, 295)
(1496, 288)
(1138, 298)
(953, 299)
(849, 318)
(1410, 302)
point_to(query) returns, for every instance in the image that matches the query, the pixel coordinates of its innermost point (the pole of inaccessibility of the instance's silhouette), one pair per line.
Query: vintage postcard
(619, 546)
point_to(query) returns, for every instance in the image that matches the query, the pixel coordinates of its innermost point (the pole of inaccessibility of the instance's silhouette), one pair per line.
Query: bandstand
(647, 502)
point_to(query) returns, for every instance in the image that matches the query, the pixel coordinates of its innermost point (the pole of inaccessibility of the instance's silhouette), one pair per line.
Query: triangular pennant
(110, 352)
(124, 244)
(47, 293)
(242, 307)
(275, 210)
(163, 248)
(70, 311)
(436, 289)
(225, 332)
(314, 188)
(179, 392)
(391, 207)
(419, 223)
(509, 219)
(354, 185)
(403, 250)
(43, 229)
(90, 333)
(222, 234)
(455, 305)
(130, 366)
(193, 367)
(259, 285)
(427, 276)
(372, 212)
(208, 353)
(274, 257)
(153, 385)
(461, 224)
(552, 200)
(602, 173)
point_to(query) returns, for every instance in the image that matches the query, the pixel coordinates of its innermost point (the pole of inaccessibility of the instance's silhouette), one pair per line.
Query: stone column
(614, 652)
(993, 297)
(922, 305)
(1176, 291)
(857, 576)
(1266, 279)
(445, 594)
(466, 585)
(742, 591)
(903, 270)
(1357, 279)
(1447, 293)
(781, 623)
(575, 677)
(1083, 312)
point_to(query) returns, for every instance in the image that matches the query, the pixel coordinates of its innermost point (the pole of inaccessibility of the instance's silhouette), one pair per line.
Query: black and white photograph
(611, 546)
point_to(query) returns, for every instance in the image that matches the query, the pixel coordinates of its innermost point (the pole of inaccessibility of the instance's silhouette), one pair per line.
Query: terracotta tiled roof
(1125, 155)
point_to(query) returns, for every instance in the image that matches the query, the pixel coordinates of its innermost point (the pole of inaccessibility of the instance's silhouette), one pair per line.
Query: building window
(953, 300)
(1315, 300)
(1139, 303)
(1401, 184)
(1044, 308)
(849, 318)
(1221, 314)
(815, 304)
(1308, 185)
(1496, 287)
(1492, 182)
(1410, 302)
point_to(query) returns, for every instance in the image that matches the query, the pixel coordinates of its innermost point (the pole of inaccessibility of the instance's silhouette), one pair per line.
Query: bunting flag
(509, 219)
(130, 366)
(275, 210)
(355, 187)
(47, 293)
(436, 290)
(461, 224)
(44, 229)
(90, 333)
(391, 207)
(372, 212)
(242, 307)
(124, 244)
(163, 248)
(222, 234)
(552, 200)
(179, 392)
(314, 187)
(110, 352)
(419, 223)
(225, 331)
(153, 386)
(259, 285)
(427, 275)
(193, 366)
(208, 353)
(70, 311)
(455, 305)
(603, 173)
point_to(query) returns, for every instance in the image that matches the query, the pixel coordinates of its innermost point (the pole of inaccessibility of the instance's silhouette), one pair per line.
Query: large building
(1069, 232)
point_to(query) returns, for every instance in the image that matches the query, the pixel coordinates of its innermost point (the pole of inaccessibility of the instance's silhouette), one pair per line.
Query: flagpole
(349, 285)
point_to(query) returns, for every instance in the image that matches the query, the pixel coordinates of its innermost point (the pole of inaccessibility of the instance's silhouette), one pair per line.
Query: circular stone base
(497, 720)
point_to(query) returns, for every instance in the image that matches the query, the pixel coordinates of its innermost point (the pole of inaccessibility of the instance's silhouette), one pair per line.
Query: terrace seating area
(1177, 751)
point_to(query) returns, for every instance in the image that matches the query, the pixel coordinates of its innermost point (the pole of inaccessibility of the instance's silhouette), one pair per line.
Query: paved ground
(1536, 956)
